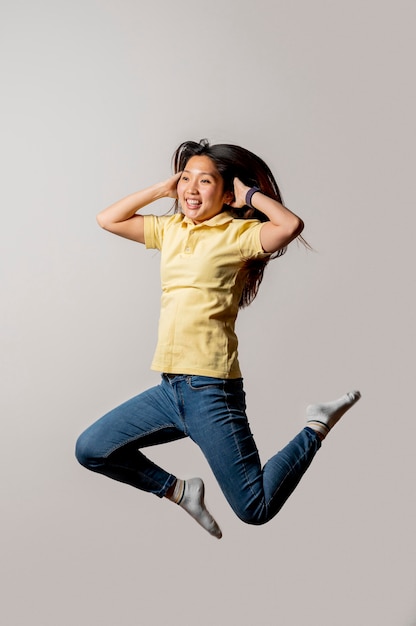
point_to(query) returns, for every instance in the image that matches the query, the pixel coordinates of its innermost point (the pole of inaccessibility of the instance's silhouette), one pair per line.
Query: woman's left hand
(240, 192)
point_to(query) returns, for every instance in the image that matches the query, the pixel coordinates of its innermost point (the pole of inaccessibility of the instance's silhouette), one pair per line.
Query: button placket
(188, 247)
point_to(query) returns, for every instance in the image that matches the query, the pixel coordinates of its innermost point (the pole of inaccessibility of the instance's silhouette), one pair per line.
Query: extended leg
(219, 425)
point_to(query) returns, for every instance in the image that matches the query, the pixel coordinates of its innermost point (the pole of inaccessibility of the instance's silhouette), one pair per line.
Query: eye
(184, 177)
(205, 180)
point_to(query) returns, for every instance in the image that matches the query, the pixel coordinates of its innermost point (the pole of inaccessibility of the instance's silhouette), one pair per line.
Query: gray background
(96, 95)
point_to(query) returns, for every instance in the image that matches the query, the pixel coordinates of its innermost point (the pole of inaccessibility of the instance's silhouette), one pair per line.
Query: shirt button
(187, 249)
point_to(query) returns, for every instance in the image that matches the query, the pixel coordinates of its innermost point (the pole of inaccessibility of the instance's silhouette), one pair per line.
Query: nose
(191, 187)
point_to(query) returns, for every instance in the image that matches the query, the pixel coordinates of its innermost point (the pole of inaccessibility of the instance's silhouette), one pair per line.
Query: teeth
(193, 202)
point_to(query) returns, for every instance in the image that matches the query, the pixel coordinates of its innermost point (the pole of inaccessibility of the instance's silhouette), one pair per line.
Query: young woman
(229, 221)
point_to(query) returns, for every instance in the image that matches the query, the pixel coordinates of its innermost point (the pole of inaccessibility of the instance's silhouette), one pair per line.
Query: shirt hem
(197, 372)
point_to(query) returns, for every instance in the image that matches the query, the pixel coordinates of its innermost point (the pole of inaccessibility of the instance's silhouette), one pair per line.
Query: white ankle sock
(193, 503)
(323, 417)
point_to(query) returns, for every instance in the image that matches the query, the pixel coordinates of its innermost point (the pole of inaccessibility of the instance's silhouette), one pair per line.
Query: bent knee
(85, 453)
(255, 517)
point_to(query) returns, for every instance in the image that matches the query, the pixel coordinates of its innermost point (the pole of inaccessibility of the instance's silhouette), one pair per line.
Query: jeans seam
(283, 481)
(236, 441)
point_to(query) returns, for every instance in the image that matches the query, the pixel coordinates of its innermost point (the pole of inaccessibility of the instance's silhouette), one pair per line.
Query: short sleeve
(249, 240)
(153, 231)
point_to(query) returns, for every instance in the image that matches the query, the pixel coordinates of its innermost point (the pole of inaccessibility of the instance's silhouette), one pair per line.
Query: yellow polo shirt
(202, 278)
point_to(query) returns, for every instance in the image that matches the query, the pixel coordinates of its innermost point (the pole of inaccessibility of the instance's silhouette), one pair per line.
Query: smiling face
(201, 189)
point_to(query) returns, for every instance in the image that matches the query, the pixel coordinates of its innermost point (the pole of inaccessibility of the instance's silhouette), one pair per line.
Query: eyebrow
(202, 173)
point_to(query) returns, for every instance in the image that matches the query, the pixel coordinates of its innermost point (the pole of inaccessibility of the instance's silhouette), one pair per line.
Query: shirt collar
(217, 220)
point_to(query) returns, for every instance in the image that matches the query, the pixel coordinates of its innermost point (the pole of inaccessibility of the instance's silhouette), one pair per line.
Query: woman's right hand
(171, 185)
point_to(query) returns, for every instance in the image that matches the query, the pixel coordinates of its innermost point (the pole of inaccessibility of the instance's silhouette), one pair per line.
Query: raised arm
(121, 217)
(283, 227)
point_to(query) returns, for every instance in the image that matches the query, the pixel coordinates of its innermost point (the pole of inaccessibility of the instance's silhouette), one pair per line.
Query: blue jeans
(212, 412)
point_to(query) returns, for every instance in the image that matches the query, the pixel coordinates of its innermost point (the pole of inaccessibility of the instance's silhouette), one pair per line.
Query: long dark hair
(233, 161)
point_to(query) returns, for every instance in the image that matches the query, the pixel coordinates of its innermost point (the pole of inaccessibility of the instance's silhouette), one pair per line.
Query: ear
(228, 197)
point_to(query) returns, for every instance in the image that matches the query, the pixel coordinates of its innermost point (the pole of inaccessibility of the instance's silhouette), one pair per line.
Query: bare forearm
(278, 214)
(282, 225)
(125, 208)
(121, 218)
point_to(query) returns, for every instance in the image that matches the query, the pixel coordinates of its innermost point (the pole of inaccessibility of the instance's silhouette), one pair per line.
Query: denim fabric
(211, 412)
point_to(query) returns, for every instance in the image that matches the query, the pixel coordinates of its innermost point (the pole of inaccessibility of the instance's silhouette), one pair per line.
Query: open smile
(193, 204)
